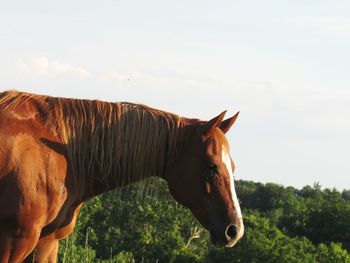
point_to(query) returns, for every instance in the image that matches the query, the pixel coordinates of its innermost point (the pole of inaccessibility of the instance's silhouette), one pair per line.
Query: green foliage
(123, 257)
(346, 195)
(265, 243)
(72, 252)
(331, 254)
(281, 225)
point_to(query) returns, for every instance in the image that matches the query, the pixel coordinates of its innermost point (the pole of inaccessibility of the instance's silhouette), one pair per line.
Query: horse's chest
(64, 223)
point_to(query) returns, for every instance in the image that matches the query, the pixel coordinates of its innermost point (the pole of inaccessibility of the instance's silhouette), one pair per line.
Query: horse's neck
(136, 163)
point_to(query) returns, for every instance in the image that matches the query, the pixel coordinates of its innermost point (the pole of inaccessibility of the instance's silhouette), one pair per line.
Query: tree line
(282, 224)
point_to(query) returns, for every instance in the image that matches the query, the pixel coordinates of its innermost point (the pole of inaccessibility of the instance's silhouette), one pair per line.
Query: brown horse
(55, 153)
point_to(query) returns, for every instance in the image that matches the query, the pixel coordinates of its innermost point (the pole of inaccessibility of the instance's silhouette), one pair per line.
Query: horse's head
(202, 180)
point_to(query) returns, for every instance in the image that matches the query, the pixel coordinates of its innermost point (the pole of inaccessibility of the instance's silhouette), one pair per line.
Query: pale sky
(284, 64)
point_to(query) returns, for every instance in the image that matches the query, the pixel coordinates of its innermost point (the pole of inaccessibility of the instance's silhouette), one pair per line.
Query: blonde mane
(108, 143)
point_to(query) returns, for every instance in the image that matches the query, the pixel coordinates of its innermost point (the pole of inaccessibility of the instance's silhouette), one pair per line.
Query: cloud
(43, 67)
(159, 77)
(325, 24)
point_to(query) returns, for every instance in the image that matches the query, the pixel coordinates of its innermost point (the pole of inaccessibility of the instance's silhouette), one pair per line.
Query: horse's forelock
(219, 140)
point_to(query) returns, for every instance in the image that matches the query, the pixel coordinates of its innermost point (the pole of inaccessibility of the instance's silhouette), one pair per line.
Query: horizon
(282, 65)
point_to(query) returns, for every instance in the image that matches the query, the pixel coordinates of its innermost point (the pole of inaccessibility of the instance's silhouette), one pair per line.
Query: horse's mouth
(226, 244)
(231, 243)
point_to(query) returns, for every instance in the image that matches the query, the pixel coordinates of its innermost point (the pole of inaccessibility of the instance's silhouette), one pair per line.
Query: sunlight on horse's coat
(228, 163)
(58, 152)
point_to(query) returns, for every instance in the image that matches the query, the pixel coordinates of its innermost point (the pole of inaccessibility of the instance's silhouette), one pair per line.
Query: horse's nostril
(231, 232)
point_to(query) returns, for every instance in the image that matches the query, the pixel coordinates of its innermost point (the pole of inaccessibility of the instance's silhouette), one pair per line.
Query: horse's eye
(212, 169)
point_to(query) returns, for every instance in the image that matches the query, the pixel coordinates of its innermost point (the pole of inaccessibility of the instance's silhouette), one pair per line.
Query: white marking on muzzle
(227, 161)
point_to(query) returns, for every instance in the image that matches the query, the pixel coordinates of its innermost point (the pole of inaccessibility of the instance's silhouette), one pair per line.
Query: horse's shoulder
(64, 222)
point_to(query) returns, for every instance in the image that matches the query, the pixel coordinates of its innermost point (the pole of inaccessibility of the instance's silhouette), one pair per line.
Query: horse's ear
(206, 128)
(226, 124)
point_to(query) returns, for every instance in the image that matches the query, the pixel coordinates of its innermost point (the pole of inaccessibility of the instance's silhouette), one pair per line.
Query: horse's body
(55, 153)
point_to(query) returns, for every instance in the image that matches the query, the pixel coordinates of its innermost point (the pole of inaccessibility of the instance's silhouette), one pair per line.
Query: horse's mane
(107, 139)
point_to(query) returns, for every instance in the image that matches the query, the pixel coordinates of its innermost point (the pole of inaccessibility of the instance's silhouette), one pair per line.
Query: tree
(346, 195)
(282, 225)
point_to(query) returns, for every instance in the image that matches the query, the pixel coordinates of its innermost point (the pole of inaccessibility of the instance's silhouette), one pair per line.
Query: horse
(55, 153)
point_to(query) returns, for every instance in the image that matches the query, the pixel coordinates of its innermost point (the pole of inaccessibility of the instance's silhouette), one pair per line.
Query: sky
(283, 64)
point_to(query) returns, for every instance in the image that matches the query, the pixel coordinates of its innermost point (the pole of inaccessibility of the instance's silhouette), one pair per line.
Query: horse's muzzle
(227, 236)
